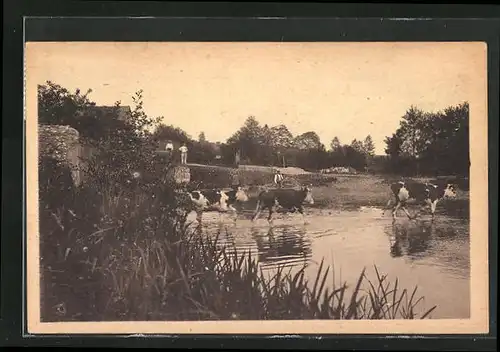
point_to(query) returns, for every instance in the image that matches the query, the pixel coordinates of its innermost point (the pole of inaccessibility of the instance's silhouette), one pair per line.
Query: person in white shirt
(183, 149)
(278, 178)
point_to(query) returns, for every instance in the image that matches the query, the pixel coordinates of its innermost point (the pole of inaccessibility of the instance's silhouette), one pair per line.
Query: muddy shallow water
(434, 256)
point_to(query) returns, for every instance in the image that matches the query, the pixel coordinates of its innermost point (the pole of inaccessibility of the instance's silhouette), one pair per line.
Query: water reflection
(413, 239)
(283, 245)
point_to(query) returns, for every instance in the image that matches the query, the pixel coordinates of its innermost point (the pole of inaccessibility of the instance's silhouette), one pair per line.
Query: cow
(288, 199)
(427, 193)
(217, 200)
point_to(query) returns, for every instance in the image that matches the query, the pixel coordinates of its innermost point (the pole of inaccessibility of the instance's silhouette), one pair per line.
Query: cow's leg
(269, 218)
(423, 207)
(234, 212)
(199, 214)
(396, 208)
(387, 207)
(403, 206)
(257, 211)
(433, 208)
(301, 211)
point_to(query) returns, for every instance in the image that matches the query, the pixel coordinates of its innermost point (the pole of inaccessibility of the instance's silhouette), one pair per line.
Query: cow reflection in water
(284, 245)
(410, 239)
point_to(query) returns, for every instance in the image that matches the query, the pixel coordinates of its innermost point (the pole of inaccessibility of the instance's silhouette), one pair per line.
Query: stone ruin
(62, 144)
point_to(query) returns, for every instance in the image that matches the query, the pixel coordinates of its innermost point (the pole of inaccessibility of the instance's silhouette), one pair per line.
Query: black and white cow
(217, 200)
(427, 193)
(288, 199)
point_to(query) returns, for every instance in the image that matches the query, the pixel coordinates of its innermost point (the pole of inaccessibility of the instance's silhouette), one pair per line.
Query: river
(432, 255)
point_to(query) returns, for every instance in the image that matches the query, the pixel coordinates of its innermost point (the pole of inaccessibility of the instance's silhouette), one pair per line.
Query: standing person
(183, 149)
(278, 178)
(169, 148)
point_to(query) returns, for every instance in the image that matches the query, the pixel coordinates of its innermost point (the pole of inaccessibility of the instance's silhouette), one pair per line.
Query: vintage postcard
(257, 187)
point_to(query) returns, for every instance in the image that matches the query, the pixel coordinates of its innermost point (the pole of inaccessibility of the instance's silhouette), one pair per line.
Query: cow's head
(450, 191)
(223, 200)
(308, 198)
(198, 199)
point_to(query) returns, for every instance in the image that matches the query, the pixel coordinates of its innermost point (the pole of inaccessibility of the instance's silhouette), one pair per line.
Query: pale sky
(347, 90)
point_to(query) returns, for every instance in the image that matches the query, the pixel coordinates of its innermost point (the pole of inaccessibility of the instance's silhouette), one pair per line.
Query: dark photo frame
(127, 22)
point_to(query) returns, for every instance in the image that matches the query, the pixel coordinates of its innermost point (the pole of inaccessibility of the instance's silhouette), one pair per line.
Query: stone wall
(61, 143)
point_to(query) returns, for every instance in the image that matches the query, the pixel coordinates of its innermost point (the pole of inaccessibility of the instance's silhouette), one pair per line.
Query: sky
(348, 90)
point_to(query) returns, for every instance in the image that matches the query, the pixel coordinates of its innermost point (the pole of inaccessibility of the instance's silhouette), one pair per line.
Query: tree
(281, 137)
(307, 140)
(354, 158)
(267, 155)
(201, 137)
(247, 139)
(58, 106)
(123, 150)
(172, 133)
(368, 146)
(335, 144)
(358, 146)
(412, 127)
(431, 143)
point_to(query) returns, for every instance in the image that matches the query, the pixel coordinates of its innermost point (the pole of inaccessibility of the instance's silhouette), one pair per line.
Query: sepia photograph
(267, 187)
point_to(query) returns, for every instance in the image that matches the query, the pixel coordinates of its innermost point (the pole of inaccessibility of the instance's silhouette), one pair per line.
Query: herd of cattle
(291, 200)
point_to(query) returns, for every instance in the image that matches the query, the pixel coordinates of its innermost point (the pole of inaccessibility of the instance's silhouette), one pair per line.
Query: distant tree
(308, 140)
(354, 157)
(172, 133)
(358, 146)
(201, 137)
(431, 143)
(267, 155)
(369, 146)
(247, 139)
(335, 144)
(281, 137)
(412, 127)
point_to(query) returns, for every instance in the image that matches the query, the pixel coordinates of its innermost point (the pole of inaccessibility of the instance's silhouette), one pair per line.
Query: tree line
(430, 143)
(425, 143)
(258, 144)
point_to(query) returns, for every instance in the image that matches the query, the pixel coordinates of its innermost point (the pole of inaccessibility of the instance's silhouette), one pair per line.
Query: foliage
(58, 106)
(369, 146)
(431, 143)
(308, 140)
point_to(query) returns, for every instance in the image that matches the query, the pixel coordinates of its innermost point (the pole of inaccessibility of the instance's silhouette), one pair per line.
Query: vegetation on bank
(118, 247)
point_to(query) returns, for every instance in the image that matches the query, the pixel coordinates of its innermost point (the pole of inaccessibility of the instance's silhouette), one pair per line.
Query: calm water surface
(434, 256)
